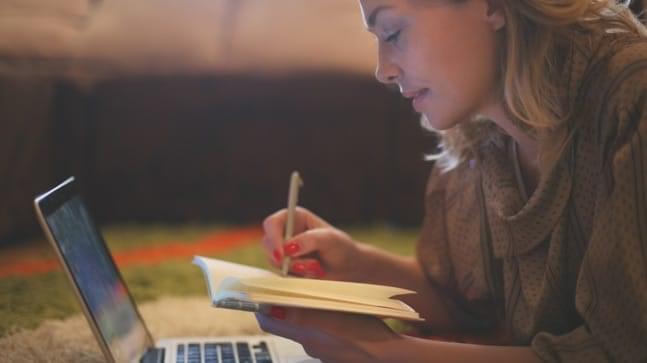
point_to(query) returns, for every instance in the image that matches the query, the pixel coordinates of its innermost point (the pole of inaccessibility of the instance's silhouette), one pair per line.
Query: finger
(277, 320)
(273, 226)
(311, 220)
(278, 312)
(274, 326)
(272, 240)
(274, 254)
(316, 319)
(304, 220)
(292, 316)
(313, 240)
(303, 323)
(307, 267)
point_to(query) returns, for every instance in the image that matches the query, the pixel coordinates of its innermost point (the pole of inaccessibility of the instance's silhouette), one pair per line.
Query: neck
(527, 146)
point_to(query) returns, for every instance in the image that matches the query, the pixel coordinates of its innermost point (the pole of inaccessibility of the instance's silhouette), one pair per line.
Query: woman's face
(441, 53)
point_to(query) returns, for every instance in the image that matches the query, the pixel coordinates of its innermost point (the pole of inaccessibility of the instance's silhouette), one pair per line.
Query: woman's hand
(335, 337)
(317, 249)
(330, 336)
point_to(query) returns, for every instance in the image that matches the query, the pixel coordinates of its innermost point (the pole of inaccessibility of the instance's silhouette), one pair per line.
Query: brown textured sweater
(565, 270)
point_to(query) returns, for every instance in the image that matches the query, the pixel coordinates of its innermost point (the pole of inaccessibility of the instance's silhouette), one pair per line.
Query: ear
(495, 14)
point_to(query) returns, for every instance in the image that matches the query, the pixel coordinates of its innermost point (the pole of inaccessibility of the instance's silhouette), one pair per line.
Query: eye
(393, 37)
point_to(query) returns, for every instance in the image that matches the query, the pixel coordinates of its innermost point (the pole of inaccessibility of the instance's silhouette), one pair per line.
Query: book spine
(239, 305)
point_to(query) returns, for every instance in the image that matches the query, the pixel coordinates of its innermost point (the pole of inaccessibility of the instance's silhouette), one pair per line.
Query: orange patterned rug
(20, 262)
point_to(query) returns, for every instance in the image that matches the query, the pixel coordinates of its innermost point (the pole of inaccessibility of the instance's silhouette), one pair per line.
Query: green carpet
(27, 301)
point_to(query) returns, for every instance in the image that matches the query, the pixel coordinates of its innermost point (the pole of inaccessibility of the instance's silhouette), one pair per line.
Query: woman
(536, 210)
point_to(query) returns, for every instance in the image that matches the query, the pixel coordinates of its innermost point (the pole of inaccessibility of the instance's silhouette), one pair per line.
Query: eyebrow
(373, 17)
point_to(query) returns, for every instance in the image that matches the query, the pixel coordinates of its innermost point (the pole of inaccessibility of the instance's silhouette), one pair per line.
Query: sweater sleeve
(449, 248)
(611, 291)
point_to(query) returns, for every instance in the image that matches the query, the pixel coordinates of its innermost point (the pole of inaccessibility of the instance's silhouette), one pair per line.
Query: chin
(436, 123)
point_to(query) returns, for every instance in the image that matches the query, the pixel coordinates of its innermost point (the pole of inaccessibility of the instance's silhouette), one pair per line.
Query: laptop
(110, 309)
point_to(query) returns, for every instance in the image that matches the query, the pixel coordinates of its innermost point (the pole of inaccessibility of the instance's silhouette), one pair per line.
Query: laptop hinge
(153, 355)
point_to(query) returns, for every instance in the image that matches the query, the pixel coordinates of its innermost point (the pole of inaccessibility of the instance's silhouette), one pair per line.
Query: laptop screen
(94, 273)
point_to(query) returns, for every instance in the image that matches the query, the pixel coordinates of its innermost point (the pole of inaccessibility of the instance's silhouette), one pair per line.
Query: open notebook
(235, 286)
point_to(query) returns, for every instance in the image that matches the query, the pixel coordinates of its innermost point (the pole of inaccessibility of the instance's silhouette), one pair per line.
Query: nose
(387, 71)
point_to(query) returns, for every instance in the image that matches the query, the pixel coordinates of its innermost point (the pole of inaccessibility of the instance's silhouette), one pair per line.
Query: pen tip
(297, 177)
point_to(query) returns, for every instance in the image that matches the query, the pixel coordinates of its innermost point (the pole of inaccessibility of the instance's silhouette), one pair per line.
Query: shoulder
(624, 94)
(618, 61)
(612, 106)
(611, 74)
(627, 51)
(625, 71)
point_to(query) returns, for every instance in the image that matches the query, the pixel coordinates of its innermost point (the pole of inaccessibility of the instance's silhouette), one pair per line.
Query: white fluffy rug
(71, 340)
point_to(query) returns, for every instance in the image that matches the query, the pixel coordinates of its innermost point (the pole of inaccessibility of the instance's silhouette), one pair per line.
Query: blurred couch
(204, 148)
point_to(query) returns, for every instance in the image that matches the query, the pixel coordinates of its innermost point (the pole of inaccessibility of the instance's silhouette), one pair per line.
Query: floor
(154, 260)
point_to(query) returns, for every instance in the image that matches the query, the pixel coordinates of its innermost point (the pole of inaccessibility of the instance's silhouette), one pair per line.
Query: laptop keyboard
(240, 352)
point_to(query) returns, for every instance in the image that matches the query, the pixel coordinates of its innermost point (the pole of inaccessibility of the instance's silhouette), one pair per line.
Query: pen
(293, 196)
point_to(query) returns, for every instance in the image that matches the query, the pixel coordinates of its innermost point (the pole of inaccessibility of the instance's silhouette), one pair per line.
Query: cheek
(479, 69)
(475, 61)
(464, 80)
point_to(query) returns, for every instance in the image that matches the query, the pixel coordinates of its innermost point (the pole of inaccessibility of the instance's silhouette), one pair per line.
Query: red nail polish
(278, 313)
(299, 268)
(277, 256)
(291, 249)
(314, 269)
(320, 273)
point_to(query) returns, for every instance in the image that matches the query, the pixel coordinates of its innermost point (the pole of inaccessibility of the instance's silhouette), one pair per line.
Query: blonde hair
(531, 48)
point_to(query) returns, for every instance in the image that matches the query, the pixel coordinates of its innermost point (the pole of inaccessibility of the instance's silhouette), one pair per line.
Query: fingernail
(314, 269)
(291, 249)
(276, 254)
(278, 313)
(299, 268)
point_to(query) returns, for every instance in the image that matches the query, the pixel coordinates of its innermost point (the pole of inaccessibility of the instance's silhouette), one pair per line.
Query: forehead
(371, 8)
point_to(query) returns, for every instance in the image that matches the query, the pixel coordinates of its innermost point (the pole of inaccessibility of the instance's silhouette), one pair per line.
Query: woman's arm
(318, 250)
(341, 337)
(408, 349)
(406, 272)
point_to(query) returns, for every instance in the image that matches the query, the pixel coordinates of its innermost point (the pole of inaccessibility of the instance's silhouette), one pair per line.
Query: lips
(416, 96)
(411, 93)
